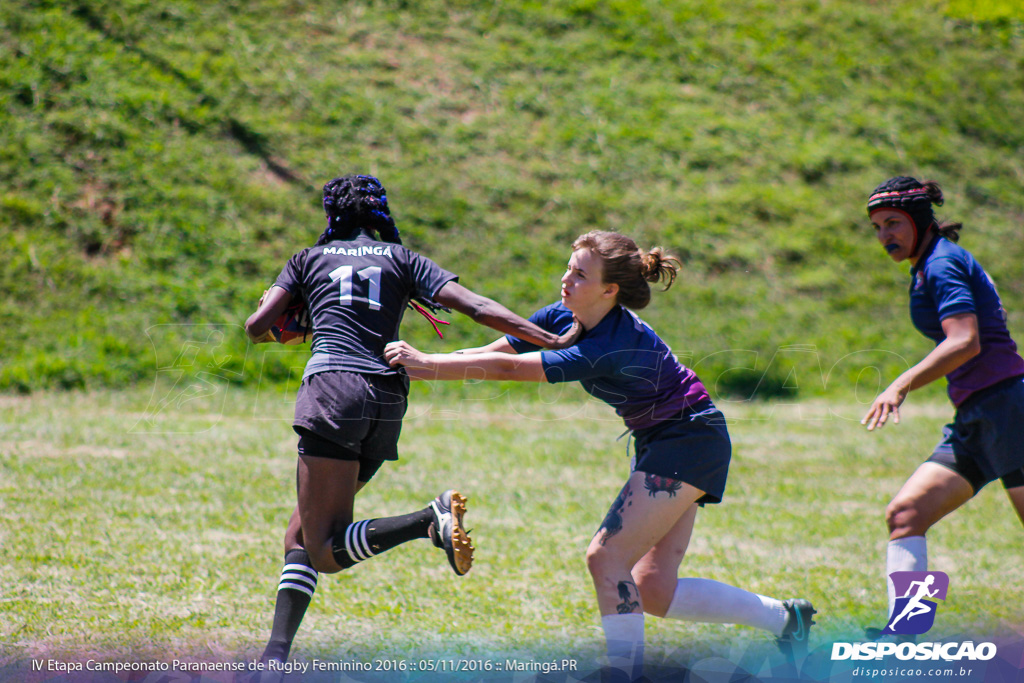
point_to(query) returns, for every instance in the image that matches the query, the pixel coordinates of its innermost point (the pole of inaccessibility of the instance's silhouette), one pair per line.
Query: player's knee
(903, 520)
(293, 539)
(323, 560)
(656, 590)
(595, 559)
(601, 562)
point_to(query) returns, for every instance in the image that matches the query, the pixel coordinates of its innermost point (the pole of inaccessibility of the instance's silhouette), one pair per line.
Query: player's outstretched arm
(524, 367)
(492, 314)
(499, 345)
(270, 307)
(961, 344)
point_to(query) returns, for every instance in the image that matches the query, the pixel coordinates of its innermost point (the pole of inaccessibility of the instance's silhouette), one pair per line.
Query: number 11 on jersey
(343, 276)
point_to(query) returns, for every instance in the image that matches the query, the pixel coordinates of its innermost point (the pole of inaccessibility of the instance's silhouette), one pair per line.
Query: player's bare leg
(294, 591)
(323, 521)
(635, 522)
(664, 594)
(638, 520)
(299, 576)
(293, 533)
(931, 493)
(657, 572)
(327, 489)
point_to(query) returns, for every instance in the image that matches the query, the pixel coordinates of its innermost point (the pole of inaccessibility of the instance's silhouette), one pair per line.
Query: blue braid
(354, 202)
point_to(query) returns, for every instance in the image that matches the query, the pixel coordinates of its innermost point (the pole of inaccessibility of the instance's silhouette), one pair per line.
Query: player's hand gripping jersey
(357, 291)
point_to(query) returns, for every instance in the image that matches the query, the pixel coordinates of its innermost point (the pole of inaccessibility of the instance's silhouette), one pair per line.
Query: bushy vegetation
(160, 161)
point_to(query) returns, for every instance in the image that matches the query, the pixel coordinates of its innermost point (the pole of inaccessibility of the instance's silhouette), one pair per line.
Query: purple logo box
(915, 607)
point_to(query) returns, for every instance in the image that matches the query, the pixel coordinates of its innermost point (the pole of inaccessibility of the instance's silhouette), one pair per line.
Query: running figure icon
(915, 606)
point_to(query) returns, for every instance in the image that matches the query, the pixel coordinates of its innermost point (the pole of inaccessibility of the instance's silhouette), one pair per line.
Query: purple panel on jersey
(948, 280)
(622, 362)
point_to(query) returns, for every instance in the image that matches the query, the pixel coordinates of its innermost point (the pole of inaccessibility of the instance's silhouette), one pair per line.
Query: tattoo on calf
(612, 523)
(654, 484)
(628, 605)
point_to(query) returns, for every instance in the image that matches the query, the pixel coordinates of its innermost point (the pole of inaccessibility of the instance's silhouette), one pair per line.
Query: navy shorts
(693, 447)
(985, 441)
(351, 416)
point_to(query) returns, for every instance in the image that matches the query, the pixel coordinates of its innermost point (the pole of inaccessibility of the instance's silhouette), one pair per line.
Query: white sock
(719, 603)
(624, 636)
(909, 554)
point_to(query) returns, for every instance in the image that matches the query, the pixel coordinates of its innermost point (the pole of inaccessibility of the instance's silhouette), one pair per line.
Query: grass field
(159, 162)
(137, 527)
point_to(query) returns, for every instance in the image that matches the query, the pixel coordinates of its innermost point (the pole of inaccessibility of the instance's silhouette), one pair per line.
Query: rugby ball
(293, 326)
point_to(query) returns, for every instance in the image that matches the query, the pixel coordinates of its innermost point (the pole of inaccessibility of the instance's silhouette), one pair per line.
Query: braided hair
(354, 202)
(357, 201)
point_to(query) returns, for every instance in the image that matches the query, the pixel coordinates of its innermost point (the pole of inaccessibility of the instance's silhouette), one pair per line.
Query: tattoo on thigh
(655, 484)
(628, 605)
(612, 523)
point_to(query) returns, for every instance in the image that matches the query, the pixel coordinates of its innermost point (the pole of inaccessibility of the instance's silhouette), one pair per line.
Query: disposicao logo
(914, 610)
(913, 614)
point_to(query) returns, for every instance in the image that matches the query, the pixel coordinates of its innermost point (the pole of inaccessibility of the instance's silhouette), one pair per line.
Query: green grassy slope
(160, 161)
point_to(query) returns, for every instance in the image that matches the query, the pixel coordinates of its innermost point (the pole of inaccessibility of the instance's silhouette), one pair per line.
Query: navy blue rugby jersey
(357, 291)
(948, 280)
(622, 361)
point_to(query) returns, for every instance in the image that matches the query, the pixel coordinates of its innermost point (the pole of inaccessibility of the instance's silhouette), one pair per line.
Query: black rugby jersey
(357, 291)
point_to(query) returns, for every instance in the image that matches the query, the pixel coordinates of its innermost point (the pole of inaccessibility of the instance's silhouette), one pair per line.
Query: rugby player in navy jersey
(954, 303)
(356, 282)
(682, 445)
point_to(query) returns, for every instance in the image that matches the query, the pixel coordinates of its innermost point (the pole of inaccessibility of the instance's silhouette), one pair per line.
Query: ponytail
(625, 265)
(949, 230)
(656, 266)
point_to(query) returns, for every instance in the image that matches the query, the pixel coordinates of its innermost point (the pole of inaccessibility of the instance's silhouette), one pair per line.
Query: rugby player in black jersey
(357, 282)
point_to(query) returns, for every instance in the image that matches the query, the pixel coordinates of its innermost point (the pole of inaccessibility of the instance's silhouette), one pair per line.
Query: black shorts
(351, 416)
(985, 441)
(319, 447)
(693, 448)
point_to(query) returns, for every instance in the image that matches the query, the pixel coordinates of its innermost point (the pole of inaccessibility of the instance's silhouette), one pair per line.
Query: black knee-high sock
(294, 593)
(362, 540)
